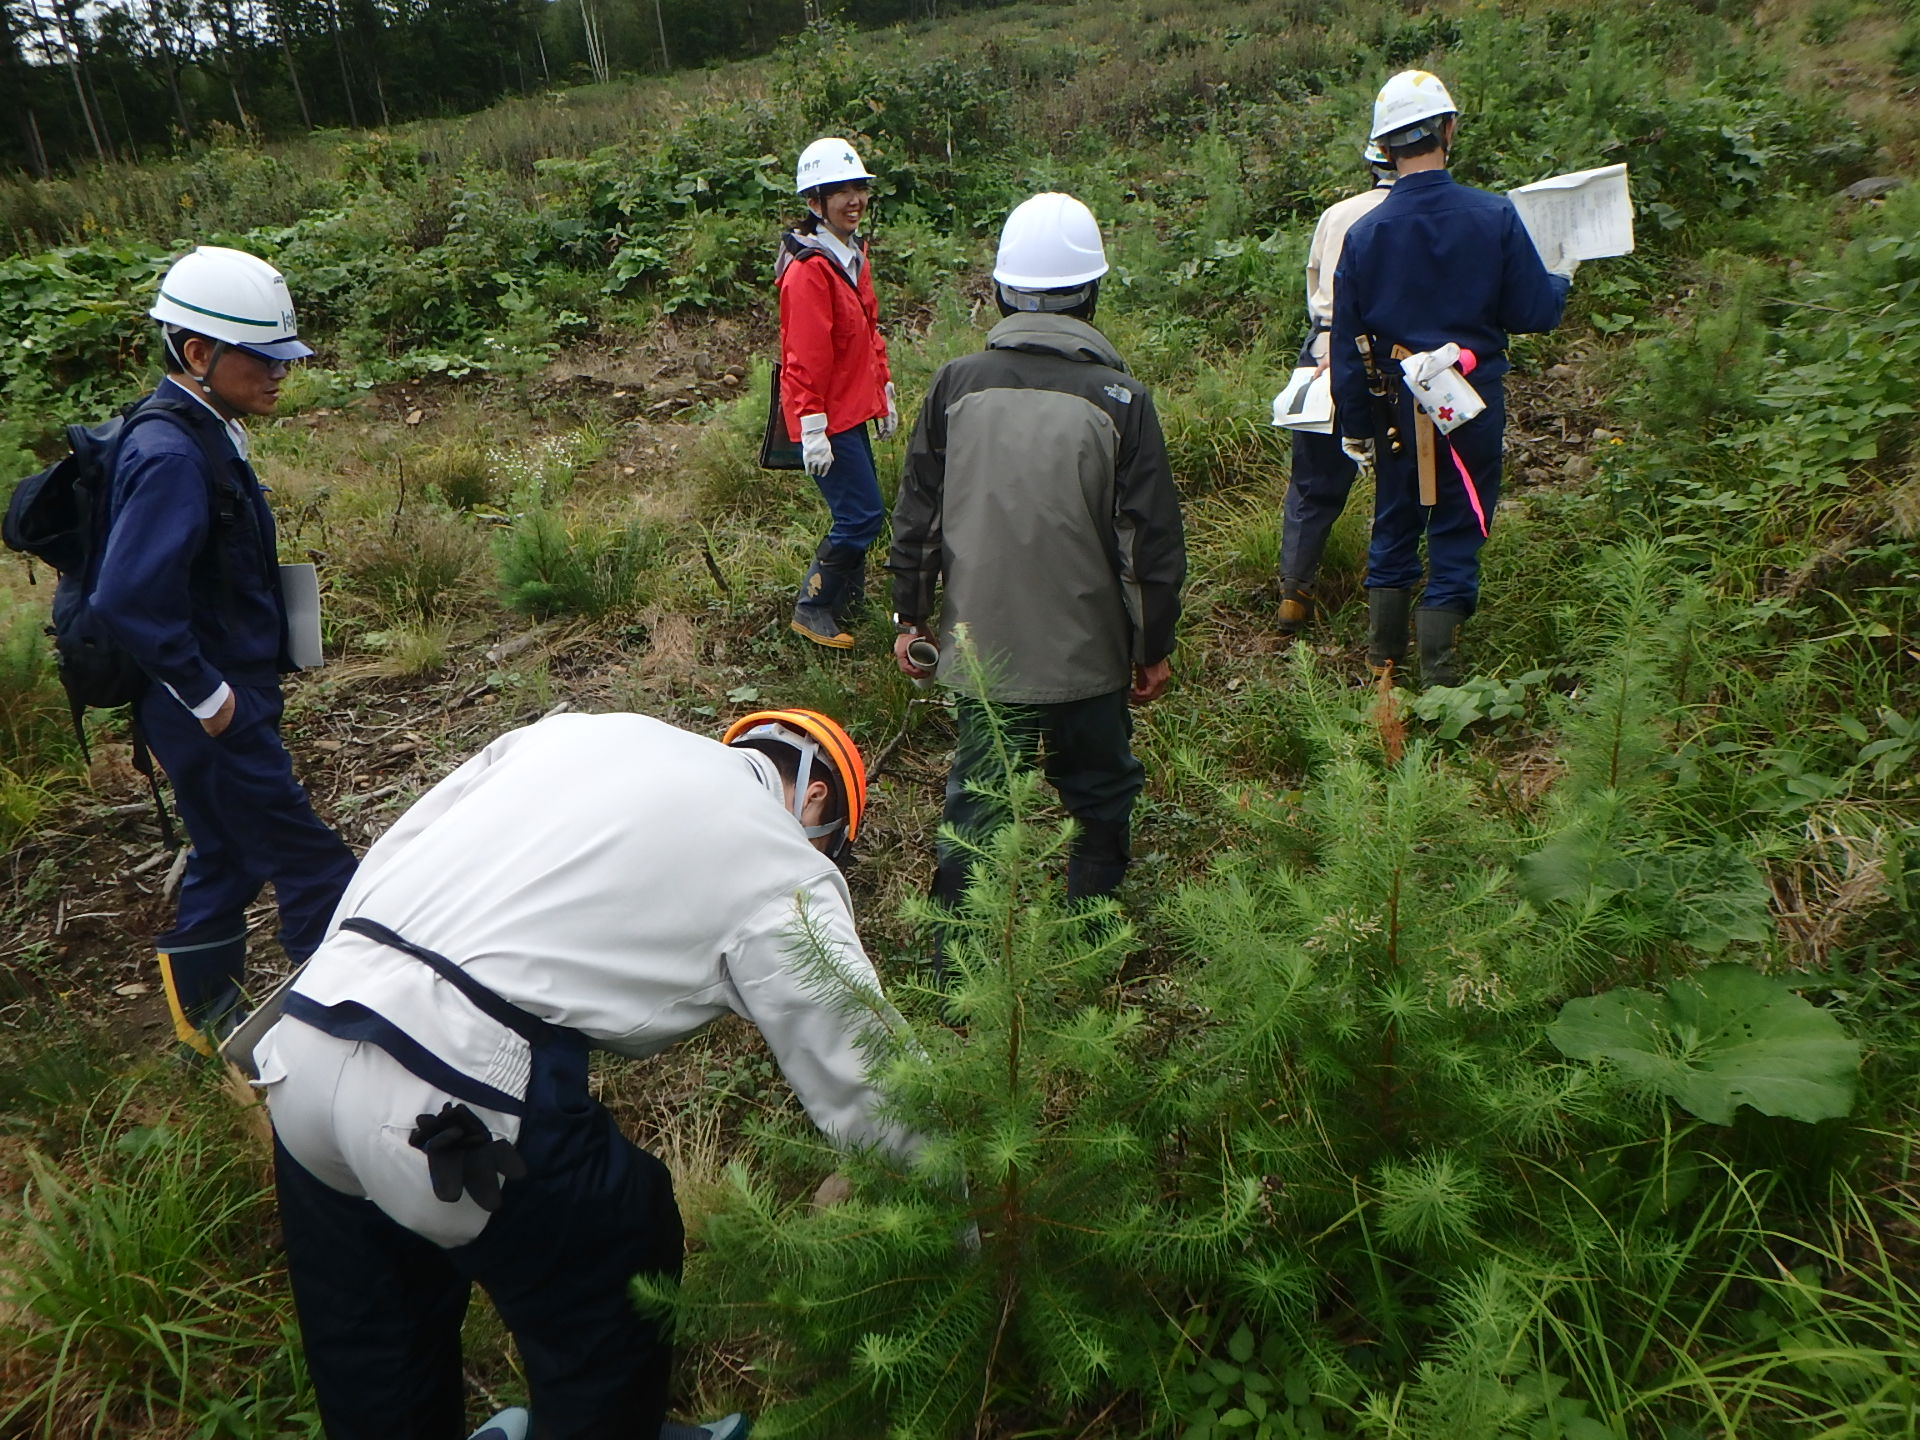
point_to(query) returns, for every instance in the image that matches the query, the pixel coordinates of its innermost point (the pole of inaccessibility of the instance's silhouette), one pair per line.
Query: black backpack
(60, 516)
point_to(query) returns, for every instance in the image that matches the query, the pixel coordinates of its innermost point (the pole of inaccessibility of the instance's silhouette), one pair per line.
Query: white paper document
(300, 588)
(1587, 215)
(1307, 402)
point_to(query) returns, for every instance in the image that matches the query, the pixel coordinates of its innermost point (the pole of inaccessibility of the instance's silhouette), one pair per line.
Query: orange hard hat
(796, 728)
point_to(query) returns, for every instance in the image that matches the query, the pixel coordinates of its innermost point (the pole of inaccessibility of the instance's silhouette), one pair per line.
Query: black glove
(463, 1157)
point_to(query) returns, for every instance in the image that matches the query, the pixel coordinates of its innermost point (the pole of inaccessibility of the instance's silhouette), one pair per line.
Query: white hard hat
(1050, 242)
(232, 296)
(1404, 105)
(831, 161)
(1374, 155)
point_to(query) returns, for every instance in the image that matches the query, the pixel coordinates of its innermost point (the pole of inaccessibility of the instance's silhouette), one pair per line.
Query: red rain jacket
(833, 357)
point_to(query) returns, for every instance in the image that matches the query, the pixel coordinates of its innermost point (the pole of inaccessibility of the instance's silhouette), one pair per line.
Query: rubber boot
(817, 609)
(507, 1425)
(949, 888)
(1296, 606)
(1439, 636)
(853, 600)
(1388, 613)
(1098, 861)
(731, 1427)
(201, 976)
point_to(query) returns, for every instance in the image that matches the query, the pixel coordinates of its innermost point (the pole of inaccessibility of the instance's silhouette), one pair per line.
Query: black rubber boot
(949, 888)
(201, 978)
(1099, 860)
(822, 601)
(1388, 613)
(1439, 636)
(853, 601)
(1296, 606)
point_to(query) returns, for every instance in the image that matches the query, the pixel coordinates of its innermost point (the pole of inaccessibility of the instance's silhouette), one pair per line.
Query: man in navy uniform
(1436, 263)
(189, 585)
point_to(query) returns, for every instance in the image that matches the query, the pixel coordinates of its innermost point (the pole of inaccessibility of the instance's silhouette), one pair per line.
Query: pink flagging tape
(1473, 494)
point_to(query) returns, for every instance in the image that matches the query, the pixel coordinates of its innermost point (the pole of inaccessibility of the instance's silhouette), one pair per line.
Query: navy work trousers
(380, 1307)
(1453, 526)
(250, 822)
(1084, 748)
(1321, 478)
(851, 488)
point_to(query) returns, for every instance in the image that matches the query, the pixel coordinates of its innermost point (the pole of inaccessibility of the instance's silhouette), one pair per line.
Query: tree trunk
(293, 71)
(596, 42)
(346, 75)
(659, 20)
(36, 147)
(82, 82)
(164, 43)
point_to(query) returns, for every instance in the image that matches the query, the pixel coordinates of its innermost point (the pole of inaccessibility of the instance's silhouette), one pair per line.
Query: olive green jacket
(1037, 494)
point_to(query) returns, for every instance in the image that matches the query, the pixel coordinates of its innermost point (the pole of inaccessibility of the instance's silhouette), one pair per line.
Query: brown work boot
(1296, 607)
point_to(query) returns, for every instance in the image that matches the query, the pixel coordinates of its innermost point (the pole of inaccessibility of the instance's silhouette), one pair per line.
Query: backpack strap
(142, 759)
(143, 763)
(793, 250)
(199, 429)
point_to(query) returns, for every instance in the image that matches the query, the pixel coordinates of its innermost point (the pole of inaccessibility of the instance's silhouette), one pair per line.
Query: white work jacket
(1323, 258)
(622, 878)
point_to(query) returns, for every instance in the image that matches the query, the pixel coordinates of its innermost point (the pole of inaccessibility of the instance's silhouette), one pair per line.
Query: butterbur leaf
(1718, 1040)
(1709, 896)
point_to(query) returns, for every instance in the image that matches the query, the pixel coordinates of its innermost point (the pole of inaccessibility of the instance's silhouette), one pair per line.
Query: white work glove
(1421, 368)
(816, 451)
(889, 422)
(1358, 451)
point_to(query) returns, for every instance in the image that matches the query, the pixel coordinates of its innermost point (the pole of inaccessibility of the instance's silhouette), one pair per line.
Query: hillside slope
(1302, 1151)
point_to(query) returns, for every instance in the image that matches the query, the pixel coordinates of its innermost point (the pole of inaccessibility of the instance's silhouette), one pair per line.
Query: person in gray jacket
(1037, 493)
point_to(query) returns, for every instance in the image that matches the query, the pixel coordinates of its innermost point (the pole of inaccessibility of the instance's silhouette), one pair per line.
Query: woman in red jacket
(834, 379)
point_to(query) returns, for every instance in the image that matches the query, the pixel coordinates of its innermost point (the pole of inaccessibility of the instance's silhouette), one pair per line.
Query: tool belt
(463, 1157)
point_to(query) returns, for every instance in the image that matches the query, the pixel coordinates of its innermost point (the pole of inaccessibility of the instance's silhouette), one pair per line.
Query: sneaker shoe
(732, 1427)
(507, 1425)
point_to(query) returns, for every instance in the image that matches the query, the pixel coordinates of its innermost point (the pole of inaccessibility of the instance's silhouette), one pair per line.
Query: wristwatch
(903, 626)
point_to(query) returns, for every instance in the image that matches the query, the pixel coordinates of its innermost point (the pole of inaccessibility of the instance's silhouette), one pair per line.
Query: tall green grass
(138, 1288)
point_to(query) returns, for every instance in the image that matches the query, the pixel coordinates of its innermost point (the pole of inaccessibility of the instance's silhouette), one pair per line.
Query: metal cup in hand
(922, 653)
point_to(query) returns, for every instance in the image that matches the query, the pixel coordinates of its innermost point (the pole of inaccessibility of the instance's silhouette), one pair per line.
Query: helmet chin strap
(809, 748)
(204, 382)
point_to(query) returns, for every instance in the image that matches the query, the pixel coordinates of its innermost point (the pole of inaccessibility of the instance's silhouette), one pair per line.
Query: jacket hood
(1043, 334)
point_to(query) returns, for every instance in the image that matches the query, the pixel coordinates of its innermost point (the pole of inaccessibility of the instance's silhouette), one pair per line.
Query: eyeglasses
(276, 369)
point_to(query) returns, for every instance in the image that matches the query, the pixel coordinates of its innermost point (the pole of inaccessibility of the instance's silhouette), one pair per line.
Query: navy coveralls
(1435, 262)
(1318, 481)
(189, 585)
